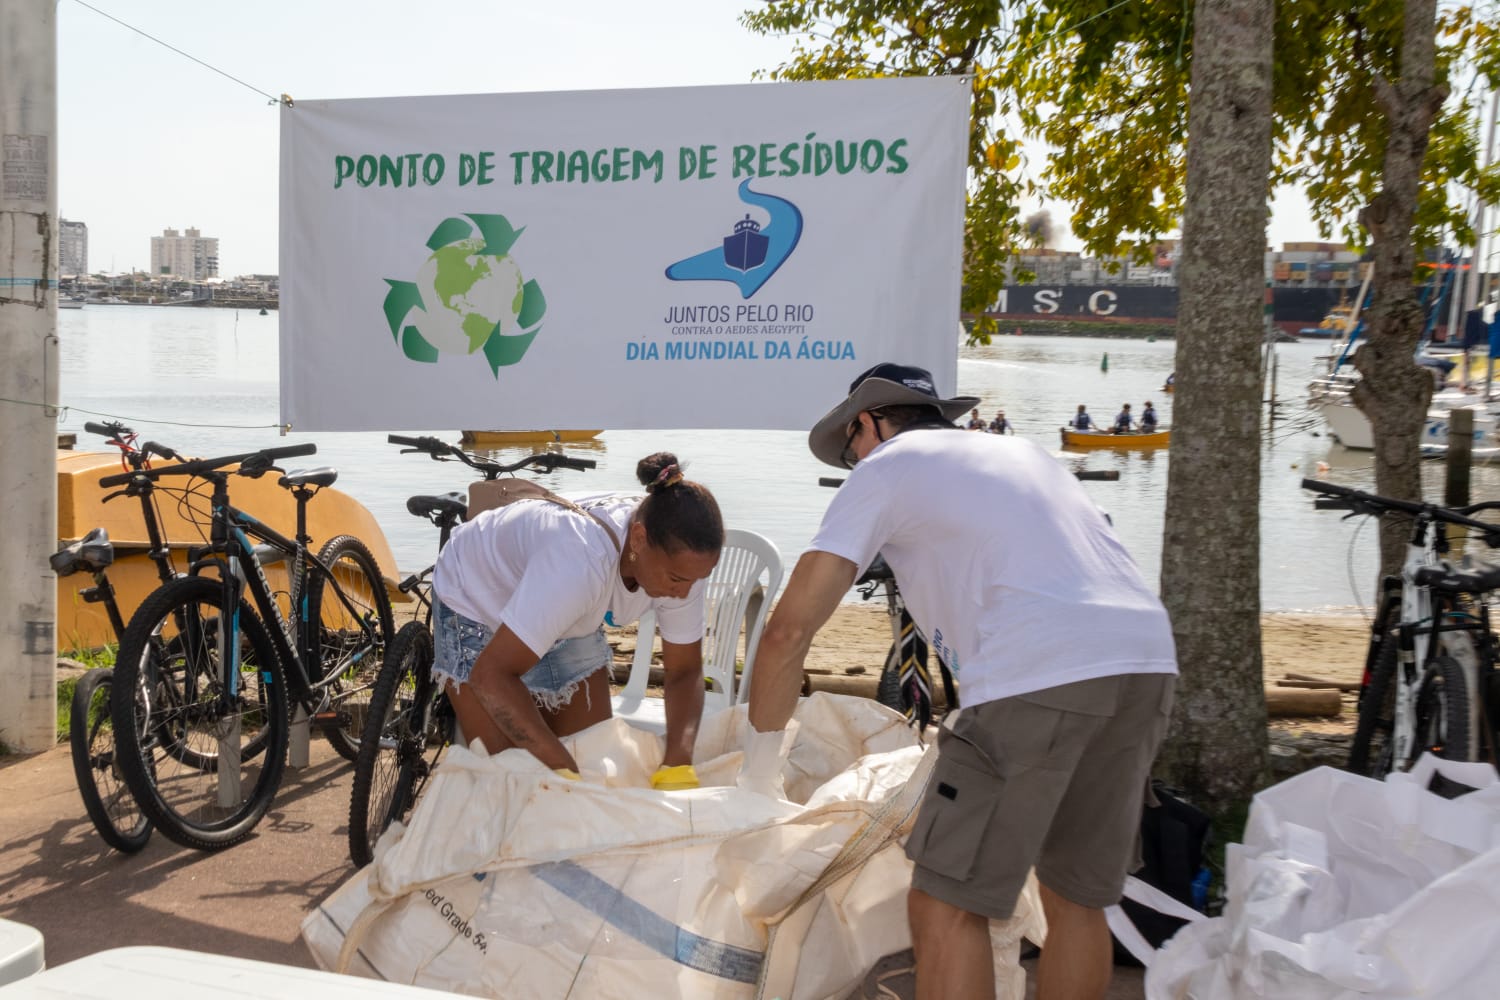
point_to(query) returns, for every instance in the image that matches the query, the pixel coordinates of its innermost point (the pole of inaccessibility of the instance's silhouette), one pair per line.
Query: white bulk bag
(513, 882)
(1350, 887)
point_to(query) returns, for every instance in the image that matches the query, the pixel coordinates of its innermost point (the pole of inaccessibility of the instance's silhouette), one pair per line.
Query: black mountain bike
(109, 804)
(410, 721)
(206, 769)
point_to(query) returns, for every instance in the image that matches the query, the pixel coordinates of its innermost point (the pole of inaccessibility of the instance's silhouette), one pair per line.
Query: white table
(20, 951)
(151, 973)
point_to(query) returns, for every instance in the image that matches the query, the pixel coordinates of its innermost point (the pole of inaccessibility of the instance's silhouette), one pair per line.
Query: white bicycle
(1430, 683)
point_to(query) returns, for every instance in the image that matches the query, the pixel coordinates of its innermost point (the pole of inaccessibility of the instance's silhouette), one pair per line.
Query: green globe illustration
(470, 295)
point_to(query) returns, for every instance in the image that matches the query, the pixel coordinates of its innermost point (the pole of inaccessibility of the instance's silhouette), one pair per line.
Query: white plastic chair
(739, 593)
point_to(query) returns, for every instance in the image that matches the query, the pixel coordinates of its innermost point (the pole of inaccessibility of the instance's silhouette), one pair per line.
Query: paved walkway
(247, 901)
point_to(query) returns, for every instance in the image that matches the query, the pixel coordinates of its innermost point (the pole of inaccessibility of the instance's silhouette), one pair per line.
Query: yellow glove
(568, 773)
(674, 779)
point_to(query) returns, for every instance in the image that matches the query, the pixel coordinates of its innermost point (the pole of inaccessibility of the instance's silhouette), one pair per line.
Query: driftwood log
(1281, 702)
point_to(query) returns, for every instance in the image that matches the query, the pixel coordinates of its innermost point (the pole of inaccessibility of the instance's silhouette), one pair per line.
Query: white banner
(715, 257)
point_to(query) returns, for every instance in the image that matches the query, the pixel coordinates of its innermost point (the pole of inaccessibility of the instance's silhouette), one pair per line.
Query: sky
(150, 140)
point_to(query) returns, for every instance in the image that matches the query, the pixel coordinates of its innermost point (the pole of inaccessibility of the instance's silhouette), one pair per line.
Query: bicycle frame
(1415, 630)
(1432, 629)
(295, 641)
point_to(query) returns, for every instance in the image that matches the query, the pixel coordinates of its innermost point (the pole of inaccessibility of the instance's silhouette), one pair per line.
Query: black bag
(1175, 838)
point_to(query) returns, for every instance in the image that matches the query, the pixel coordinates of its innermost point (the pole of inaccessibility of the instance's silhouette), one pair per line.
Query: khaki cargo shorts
(1054, 779)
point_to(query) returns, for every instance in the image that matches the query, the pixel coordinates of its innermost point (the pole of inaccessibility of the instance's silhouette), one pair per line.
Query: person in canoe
(1124, 422)
(1000, 425)
(1148, 418)
(1081, 420)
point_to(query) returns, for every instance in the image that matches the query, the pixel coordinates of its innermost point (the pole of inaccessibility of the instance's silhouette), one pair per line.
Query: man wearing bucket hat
(1064, 662)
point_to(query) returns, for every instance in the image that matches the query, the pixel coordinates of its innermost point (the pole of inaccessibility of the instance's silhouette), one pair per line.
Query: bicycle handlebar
(199, 466)
(162, 451)
(109, 430)
(1335, 497)
(440, 450)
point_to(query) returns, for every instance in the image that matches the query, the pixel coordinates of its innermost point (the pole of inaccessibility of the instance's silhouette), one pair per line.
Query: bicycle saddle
(326, 476)
(92, 552)
(433, 508)
(878, 572)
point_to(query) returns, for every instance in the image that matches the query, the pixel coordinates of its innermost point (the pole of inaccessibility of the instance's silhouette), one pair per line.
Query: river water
(204, 381)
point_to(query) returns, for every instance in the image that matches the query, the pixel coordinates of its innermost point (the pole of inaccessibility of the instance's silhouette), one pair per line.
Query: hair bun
(668, 477)
(649, 469)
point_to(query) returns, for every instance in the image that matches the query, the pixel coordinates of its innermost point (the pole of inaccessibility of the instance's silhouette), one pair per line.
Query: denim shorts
(552, 682)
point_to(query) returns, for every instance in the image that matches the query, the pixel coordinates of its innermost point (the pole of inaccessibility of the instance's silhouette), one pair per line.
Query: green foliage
(1106, 88)
(65, 686)
(101, 656)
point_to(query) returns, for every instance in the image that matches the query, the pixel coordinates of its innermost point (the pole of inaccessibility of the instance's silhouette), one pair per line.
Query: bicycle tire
(184, 801)
(1370, 753)
(109, 804)
(343, 649)
(402, 729)
(888, 690)
(1443, 711)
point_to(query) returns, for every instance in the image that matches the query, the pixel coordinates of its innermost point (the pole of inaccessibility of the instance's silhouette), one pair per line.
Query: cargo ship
(1292, 308)
(1308, 283)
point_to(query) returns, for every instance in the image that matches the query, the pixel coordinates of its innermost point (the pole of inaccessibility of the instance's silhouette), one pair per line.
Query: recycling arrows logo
(469, 296)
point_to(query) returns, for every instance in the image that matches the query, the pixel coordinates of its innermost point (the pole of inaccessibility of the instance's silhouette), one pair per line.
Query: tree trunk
(1394, 391)
(1216, 746)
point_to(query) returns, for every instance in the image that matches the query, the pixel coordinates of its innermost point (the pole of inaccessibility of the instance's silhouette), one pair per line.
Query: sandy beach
(1324, 645)
(856, 639)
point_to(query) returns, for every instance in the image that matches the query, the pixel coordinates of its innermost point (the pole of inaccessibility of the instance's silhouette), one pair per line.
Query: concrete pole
(28, 372)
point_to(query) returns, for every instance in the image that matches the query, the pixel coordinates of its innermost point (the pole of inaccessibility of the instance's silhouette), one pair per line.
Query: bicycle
(1429, 682)
(905, 683)
(410, 721)
(108, 803)
(241, 665)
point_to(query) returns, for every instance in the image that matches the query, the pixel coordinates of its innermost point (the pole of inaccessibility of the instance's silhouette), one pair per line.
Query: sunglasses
(847, 458)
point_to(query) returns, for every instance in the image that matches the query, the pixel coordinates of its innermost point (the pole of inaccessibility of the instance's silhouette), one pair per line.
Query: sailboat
(1330, 393)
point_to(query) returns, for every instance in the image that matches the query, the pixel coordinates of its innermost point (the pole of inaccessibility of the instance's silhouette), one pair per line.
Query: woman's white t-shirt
(551, 573)
(1005, 563)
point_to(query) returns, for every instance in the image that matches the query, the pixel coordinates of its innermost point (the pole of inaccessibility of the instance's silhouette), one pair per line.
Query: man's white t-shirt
(551, 573)
(1006, 565)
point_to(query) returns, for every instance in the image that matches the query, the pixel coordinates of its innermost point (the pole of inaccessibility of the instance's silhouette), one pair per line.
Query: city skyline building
(188, 254)
(72, 248)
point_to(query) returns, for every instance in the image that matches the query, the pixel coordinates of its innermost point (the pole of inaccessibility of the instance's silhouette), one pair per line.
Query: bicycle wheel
(1370, 753)
(352, 648)
(205, 720)
(110, 806)
(404, 735)
(1443, 711)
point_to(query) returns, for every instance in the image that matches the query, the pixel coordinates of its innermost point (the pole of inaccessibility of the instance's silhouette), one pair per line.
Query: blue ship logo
(753, 252)
(746, 249)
